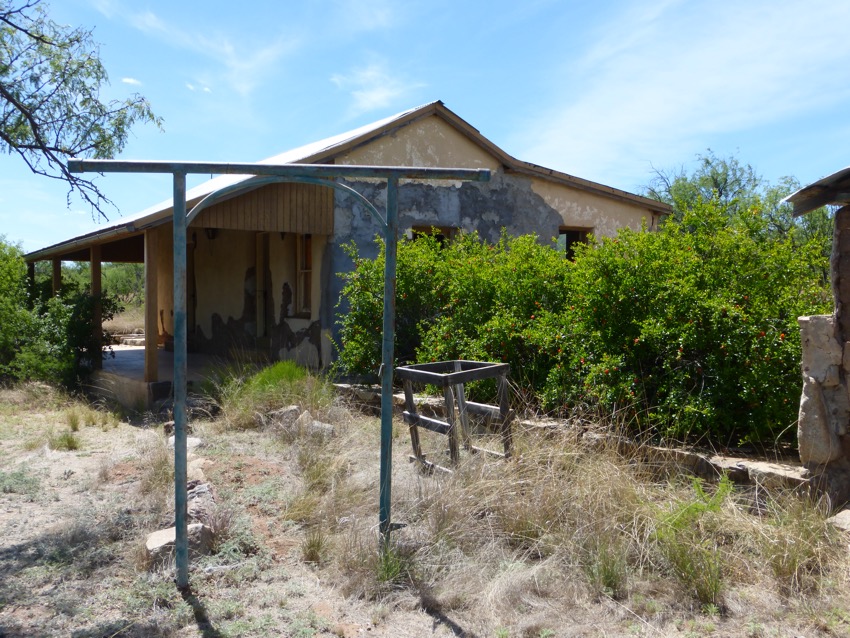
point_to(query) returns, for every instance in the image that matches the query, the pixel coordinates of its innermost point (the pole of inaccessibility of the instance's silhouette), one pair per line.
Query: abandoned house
(262, 264)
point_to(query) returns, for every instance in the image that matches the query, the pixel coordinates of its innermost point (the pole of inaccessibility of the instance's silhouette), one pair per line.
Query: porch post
(151, 329)
(57, 276)
(30, 284)
(97, 310)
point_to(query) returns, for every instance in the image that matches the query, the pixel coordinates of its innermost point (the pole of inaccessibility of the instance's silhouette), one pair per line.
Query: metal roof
(323, 151)
(834, 189)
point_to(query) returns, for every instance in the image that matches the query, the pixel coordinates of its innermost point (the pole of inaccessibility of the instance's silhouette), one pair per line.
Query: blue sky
(605, 91)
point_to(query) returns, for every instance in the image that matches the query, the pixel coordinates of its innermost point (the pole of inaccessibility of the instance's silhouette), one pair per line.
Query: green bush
(695, 326)
(243, 391)
(14, 318)
(46, 337)
(692, 329)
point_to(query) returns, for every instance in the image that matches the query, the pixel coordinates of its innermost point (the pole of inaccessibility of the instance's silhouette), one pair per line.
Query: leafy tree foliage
(13, 299)
(739, 191)
(734, 186)
(50, 104)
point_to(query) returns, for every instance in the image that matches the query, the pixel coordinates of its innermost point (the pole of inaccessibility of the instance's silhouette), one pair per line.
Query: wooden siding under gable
(285, 208)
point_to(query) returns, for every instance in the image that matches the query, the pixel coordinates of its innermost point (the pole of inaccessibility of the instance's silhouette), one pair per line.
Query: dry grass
(564, 534)
(562, 527)
(130, 321)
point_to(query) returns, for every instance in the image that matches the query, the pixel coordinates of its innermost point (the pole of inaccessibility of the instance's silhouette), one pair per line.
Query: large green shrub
(690, 330)
(695, 326)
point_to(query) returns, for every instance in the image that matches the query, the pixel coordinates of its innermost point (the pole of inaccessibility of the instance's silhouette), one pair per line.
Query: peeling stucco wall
(507, 201)
(226, 304)
(582, 209)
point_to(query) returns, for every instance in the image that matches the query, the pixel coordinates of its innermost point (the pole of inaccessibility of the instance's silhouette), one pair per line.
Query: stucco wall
(226, 297)
(430, 141)
(224, 277)
(583, 209)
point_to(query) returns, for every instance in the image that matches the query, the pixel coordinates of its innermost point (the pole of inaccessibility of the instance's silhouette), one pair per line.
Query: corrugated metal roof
(327, 149)
(833, 189)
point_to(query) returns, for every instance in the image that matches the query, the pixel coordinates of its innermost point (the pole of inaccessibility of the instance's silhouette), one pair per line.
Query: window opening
(569, 238)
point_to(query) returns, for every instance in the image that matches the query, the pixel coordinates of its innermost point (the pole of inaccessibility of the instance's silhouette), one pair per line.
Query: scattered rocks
(195, 468)
(292, 422)
(160, 544)
(280, 421)
(192, 442)
(201, 500)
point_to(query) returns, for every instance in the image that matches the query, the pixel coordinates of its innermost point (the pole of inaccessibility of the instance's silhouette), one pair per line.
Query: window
(569, 237)
(441, 233)
(304, 288)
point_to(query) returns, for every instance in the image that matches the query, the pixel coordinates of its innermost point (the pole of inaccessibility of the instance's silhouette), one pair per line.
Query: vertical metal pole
(390, 246)
(179, 382)
(97, 309)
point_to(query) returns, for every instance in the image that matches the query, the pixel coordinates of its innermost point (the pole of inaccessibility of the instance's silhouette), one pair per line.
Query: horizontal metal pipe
(285, 170)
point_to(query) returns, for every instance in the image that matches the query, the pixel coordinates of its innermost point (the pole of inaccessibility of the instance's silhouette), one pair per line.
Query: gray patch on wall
(507, 201)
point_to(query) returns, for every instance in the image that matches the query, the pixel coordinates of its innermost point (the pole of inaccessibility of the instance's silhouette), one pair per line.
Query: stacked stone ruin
(823, 428)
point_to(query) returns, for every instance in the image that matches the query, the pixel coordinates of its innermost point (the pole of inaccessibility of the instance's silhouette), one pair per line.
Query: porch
(122, 378)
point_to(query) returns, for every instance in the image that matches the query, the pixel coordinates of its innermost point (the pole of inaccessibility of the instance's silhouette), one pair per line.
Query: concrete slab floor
(129, 362)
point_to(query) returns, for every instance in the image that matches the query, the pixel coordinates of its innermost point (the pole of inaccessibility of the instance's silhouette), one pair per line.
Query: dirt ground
(70, 546)
(73, 524)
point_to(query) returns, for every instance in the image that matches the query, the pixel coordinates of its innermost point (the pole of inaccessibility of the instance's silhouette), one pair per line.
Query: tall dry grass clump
(245, 393)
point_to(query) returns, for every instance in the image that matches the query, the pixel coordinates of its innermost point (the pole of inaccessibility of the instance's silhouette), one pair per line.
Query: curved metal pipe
(256, 182)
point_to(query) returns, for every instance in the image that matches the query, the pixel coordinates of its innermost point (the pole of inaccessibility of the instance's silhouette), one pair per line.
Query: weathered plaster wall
(583, 209)
(284, 271)
(430, 141)
(225, 285)
(225, 279)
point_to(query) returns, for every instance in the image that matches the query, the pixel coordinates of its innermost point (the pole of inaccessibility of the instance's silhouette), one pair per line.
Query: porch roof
(832, 189)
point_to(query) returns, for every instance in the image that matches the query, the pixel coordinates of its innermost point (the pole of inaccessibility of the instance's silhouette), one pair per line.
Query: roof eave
(832, 189)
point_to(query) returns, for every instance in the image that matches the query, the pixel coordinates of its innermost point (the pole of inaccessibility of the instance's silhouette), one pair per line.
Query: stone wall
(824, 419)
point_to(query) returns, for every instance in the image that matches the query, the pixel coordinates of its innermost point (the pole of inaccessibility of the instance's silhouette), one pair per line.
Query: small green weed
(691, 551)
(19, 481)
(243, 392)
(314, 547)
(606, 566)
(73, 418)
(65, 441)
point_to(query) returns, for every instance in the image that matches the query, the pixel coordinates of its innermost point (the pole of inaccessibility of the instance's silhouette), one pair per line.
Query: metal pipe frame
(288, 172)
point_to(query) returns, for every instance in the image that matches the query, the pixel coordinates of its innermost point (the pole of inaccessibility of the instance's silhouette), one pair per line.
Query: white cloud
(364, 15)
(659, 79)
(202, 89)
(373, 87)
(131, 81)
(244, 65)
